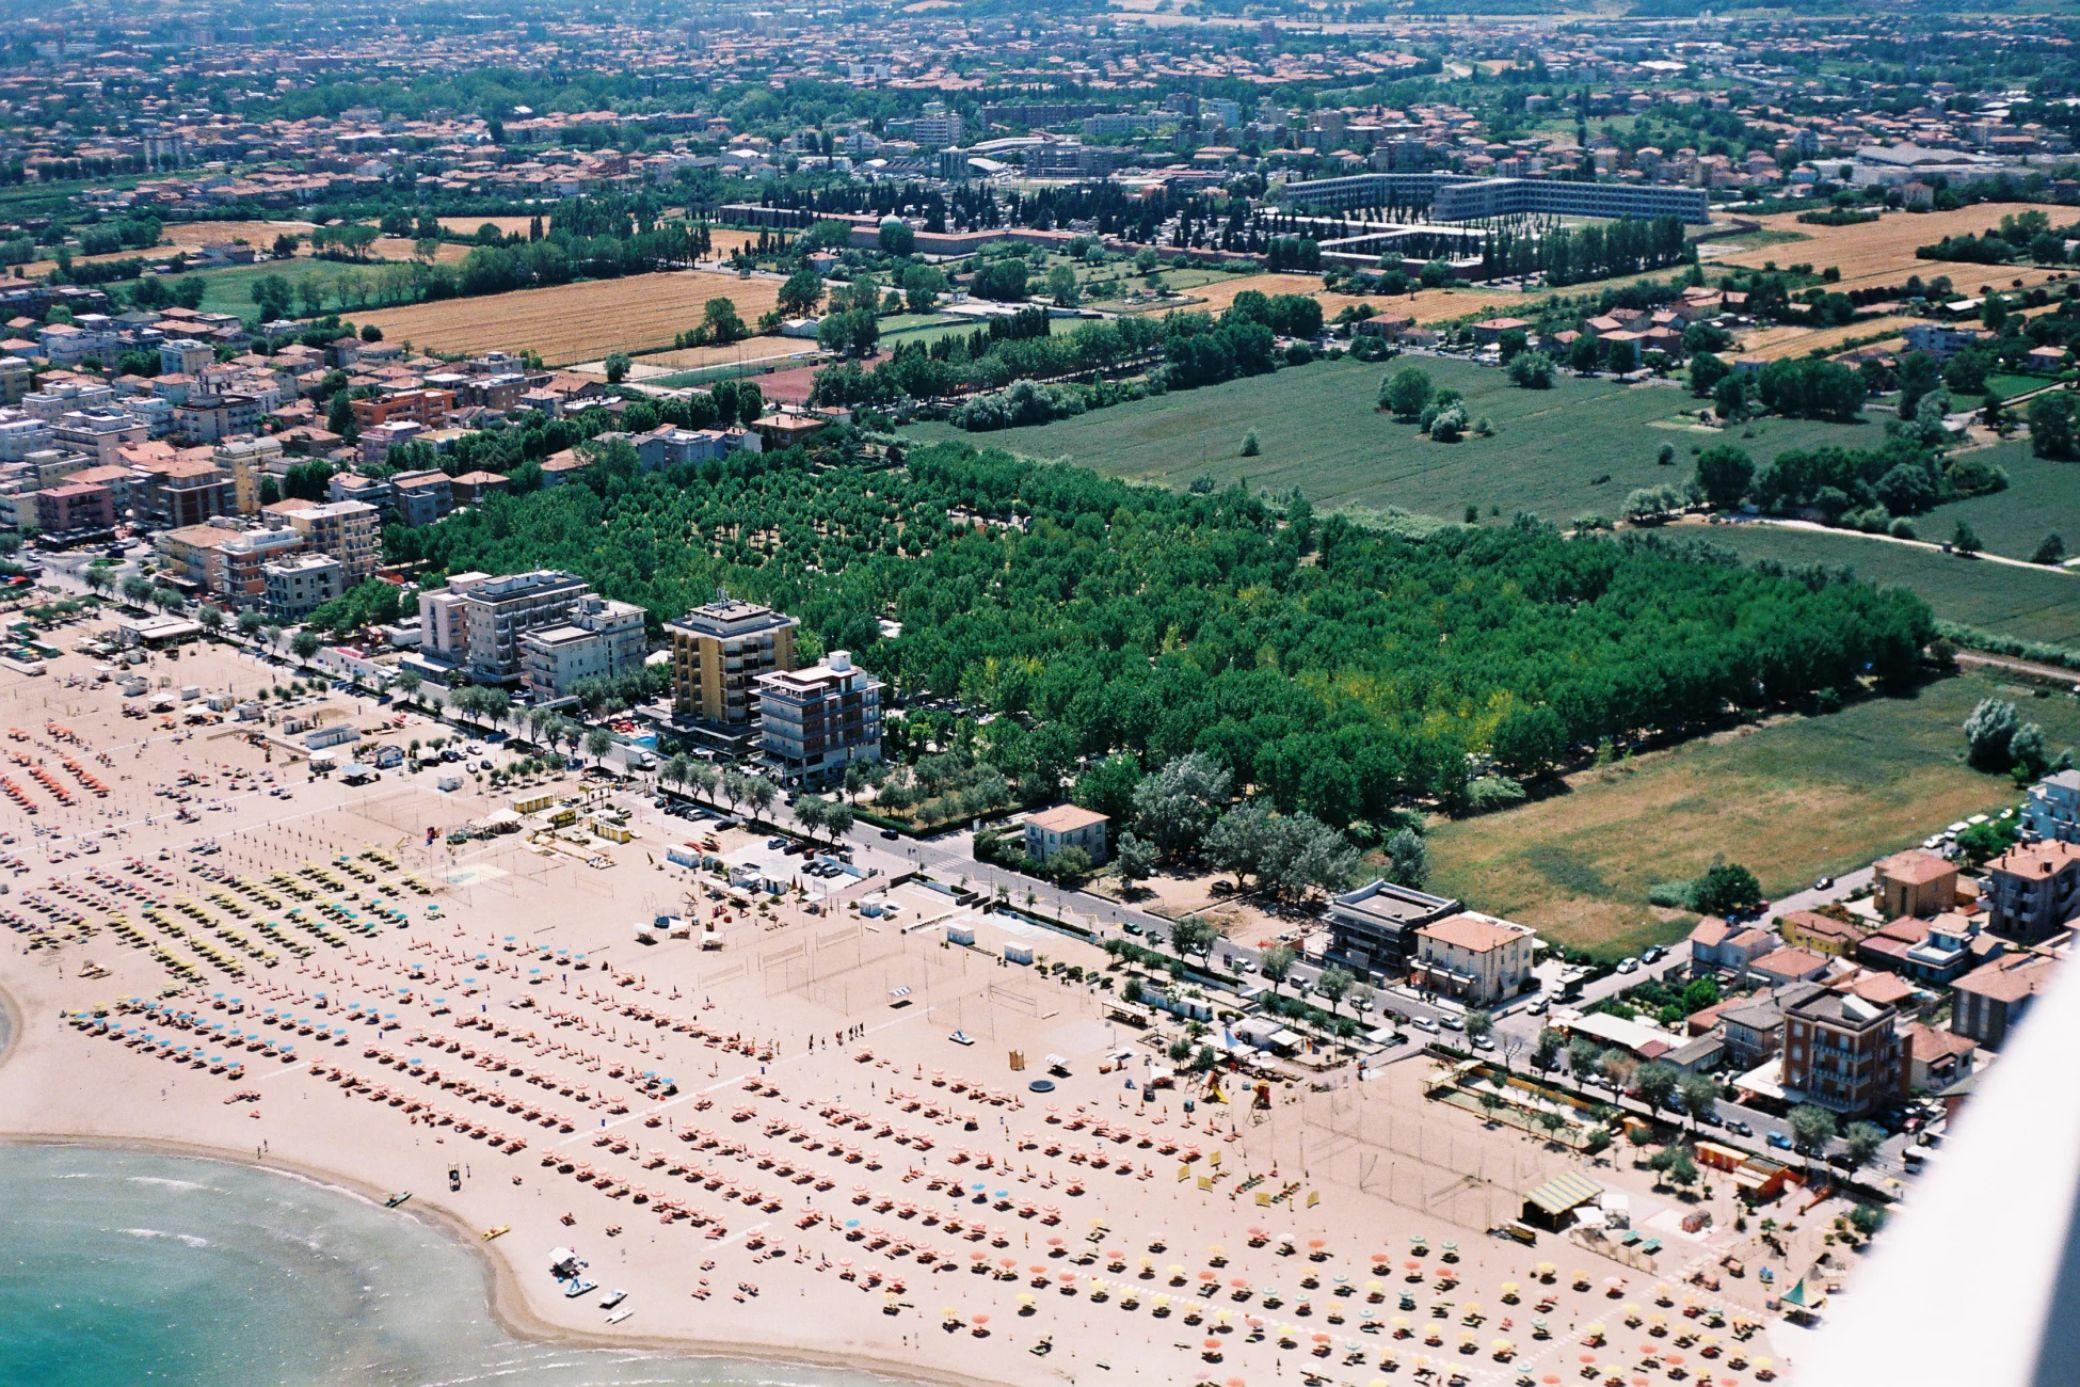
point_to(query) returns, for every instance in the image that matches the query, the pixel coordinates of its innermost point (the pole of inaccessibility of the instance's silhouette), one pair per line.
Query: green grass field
(2042, 496)
(1320, 432)
(230, 290)
(2032, 604)
(1790, 800)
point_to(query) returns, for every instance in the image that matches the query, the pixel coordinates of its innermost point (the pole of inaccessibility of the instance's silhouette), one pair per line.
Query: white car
(1629, 965)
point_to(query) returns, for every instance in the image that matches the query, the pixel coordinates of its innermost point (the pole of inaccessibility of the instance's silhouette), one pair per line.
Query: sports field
(1576, 449)
(2028, 603)
(576, 322)
(1790, 801)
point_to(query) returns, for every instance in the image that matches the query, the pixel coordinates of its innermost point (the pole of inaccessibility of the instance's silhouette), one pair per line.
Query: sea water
(121, 1267)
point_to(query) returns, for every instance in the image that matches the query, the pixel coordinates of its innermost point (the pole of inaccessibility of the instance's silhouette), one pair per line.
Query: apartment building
(719, 651)
(815, 722)
(1372, 929)
(349, 531)
(211, 418)
(184, 356)
(476, 622)
(182, 491)
(420, 406)
(298, 585)
(1988, 1001)
(101, 434)
(2052, 810)
(2033, 891)
(247, 460)
(420, 498)
(75, 508)
(223, 559)
(1843, 1053)
(1463, 197)
(601, 639)
(21, 435)
(60, 398)
(376, 442)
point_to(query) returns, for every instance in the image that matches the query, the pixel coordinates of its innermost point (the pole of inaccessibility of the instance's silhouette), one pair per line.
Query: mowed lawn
(1576, 449)
(2033, 604)
(1790, 800)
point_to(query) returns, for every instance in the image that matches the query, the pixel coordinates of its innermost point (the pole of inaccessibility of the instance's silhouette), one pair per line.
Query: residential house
(1788, 965)
(1477, 958)
(1717, 946)
(1915, 883)
(1936, 1059)
(1050, 831)
(1821, 934)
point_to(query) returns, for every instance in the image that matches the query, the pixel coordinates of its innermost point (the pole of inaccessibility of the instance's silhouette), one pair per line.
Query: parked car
(1424, 1023)
(1628, 965)
(1653, 953)
(1779, 1140)
(1739, 1127)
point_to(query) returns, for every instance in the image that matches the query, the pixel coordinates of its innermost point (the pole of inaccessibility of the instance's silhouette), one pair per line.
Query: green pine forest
(1340, 669)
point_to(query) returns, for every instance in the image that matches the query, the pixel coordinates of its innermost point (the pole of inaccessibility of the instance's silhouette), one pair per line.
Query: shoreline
(503, 1301)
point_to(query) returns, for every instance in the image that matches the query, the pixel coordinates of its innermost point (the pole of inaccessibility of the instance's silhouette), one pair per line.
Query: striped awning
(1563, 1192)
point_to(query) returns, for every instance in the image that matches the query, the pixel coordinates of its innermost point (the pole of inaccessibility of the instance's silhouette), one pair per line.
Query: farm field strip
(576, 322)
(2029, 604)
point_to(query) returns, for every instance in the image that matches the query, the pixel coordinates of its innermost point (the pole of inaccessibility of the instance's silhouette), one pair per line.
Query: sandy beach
(777, 1146)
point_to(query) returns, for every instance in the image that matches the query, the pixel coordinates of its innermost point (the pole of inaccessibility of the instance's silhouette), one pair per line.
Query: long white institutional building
(1453, 197)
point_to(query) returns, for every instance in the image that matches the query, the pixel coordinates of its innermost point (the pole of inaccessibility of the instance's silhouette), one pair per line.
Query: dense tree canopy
(1336, 669)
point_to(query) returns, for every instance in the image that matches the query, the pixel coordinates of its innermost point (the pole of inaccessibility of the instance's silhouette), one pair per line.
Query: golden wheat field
(1425, 306)
(1872, 254)
(751, 350)
(1795, 339)
(468, 226)
(576, 322)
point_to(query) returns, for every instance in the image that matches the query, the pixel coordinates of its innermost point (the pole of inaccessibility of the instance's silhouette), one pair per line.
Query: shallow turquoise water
(129, 1267)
